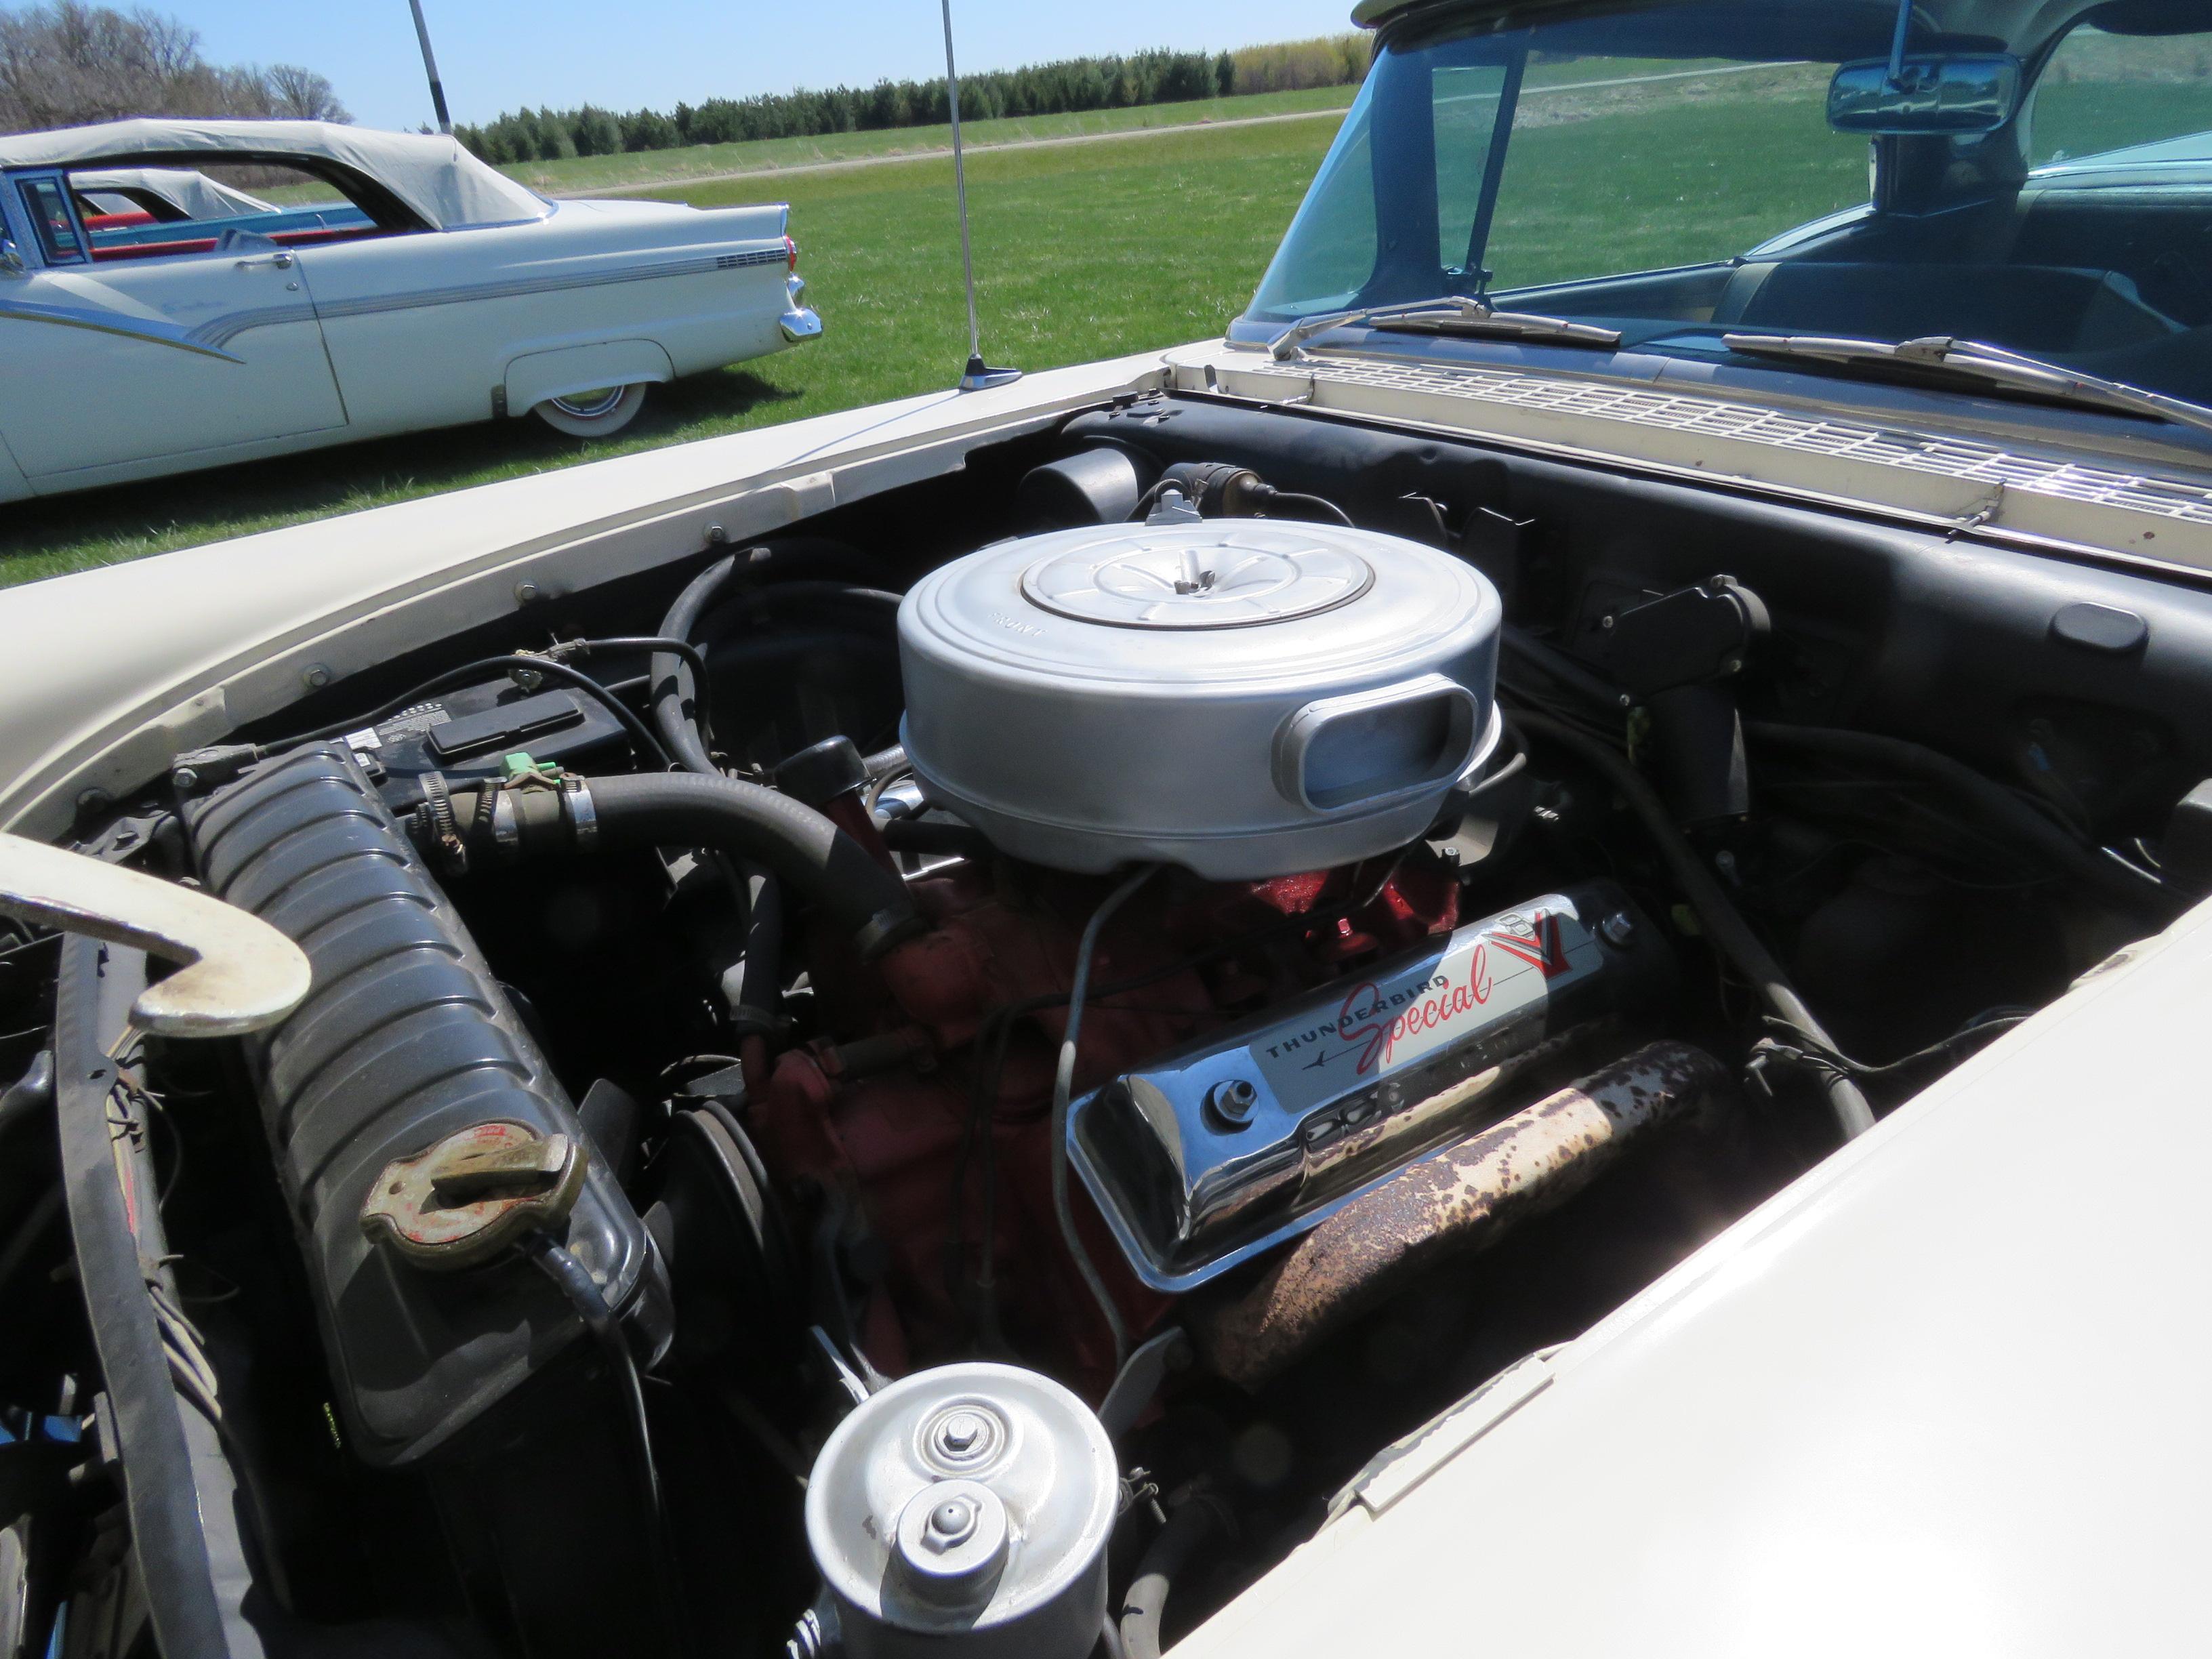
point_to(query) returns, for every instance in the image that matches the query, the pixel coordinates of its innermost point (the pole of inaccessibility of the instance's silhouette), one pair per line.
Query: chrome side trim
(219, 332)
(210, 337)
(371, 305)
(104, 322)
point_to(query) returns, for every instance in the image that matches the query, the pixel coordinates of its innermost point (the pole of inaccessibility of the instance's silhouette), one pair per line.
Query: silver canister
(1242, 697)
(964, 1511)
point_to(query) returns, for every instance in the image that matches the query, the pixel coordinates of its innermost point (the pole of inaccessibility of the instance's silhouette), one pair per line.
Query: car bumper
(799, 322)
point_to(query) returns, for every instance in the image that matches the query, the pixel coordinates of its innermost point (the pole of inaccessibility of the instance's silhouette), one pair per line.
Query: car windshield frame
(1383, 199)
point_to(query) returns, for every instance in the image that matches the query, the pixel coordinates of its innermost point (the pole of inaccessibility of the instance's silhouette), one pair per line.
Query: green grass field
(1083, 251)
(577, 175)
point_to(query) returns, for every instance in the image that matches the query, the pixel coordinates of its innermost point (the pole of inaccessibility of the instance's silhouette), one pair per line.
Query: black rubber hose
(789, 839)
(1989, 800)
(1189, 1530)
(879, 606)
(583, 1294)
(1732, 936)
(675, 689)
(760, 996)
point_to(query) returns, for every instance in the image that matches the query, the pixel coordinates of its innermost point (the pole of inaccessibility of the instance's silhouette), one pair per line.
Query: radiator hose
(1189, 1530)
(793, 841)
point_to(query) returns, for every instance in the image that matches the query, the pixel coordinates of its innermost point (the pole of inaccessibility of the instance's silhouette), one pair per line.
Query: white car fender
(538, 375)
(14, 486)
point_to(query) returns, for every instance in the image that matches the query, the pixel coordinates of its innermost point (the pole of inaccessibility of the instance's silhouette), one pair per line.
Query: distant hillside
(1070, 87)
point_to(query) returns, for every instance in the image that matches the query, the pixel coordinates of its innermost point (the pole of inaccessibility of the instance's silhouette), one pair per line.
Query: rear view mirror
(1963, 92)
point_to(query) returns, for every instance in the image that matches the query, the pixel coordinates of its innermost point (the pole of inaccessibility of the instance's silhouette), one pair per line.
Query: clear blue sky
(497, 54)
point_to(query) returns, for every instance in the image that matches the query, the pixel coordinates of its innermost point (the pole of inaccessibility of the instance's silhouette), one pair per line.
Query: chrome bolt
(315, 677)
(716, 535)
(1618, 928)
(184, 780)
(1232, 1102)
(528, 593)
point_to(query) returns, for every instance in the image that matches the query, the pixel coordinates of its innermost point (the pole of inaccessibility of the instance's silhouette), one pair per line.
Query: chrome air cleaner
(1244, 697)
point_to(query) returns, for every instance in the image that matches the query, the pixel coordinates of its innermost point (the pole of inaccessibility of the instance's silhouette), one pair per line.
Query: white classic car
(154, 319)
(1510, 965)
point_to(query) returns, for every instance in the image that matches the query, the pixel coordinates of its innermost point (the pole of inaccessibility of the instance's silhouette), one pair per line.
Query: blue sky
(496, 54)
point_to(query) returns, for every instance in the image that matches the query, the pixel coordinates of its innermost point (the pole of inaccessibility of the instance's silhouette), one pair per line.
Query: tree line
(1072, 86)
(67, 65)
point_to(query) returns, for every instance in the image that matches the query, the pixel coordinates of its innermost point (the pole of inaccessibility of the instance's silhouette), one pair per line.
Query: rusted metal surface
(1457, 1201)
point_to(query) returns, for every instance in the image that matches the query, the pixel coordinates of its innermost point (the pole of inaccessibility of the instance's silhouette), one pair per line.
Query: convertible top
(189, 190)
(431, 174)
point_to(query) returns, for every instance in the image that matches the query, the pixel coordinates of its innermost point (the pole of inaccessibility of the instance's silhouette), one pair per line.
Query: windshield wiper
(1453, 314)
(1993, 367)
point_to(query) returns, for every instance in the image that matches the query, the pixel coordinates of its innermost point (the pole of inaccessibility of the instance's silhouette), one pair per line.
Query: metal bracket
(239, 972)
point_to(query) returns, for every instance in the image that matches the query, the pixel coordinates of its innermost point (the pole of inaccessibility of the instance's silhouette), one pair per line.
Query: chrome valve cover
(1217, 1151)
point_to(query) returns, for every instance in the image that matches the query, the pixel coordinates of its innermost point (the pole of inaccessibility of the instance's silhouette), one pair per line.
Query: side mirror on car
(11, 261)
(1926, 96)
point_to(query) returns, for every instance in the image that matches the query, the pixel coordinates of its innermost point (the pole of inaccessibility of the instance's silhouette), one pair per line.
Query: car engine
(919, 1089)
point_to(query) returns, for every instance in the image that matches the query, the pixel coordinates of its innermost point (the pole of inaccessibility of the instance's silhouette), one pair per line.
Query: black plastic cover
(469, 733)
(403, 1038)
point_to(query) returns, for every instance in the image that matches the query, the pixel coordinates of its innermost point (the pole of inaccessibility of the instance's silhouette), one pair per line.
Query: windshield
(1672, 171)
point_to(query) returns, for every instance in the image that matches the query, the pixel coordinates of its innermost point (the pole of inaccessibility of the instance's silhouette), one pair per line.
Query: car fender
(537, 375)
(14, 486)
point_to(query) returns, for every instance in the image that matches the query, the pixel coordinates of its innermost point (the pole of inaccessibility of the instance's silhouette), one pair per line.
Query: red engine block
(931, 1111)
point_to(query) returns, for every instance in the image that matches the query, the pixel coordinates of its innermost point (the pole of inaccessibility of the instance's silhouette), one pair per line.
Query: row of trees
(1075, 85)
(67, 65)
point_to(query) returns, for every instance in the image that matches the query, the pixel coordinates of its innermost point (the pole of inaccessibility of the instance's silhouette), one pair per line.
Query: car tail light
(790, 253)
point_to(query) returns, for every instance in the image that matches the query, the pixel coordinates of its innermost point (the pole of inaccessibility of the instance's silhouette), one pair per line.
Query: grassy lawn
(1079, 259)
(1084, 252)
(593, 172)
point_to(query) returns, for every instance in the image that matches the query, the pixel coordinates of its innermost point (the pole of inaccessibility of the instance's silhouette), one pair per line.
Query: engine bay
(928, 1081)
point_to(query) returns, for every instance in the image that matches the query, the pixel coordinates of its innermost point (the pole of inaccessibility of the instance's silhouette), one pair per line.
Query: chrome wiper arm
(1510, 325)
(1988, 365)
(1454, 313)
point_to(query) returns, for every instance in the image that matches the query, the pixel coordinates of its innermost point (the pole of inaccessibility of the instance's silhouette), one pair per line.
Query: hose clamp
(442, 829)
(505, 826)
(583, 816)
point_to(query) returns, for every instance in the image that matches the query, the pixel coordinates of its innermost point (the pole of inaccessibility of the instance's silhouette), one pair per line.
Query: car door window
(46, 205)
(2104, 92)
(214, 208)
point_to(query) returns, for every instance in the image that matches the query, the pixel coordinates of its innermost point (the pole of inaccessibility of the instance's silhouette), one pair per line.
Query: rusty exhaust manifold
(1454, 1202)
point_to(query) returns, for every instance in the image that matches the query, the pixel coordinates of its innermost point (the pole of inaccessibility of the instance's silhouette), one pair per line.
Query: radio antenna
(977, 376)
(430, 68)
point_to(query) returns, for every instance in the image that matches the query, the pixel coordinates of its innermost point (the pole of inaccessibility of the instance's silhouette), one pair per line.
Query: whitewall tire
(592, 414)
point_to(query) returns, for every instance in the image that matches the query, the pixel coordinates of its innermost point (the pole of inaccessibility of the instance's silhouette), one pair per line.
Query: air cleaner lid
(1245, 697)
(1231, 575)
